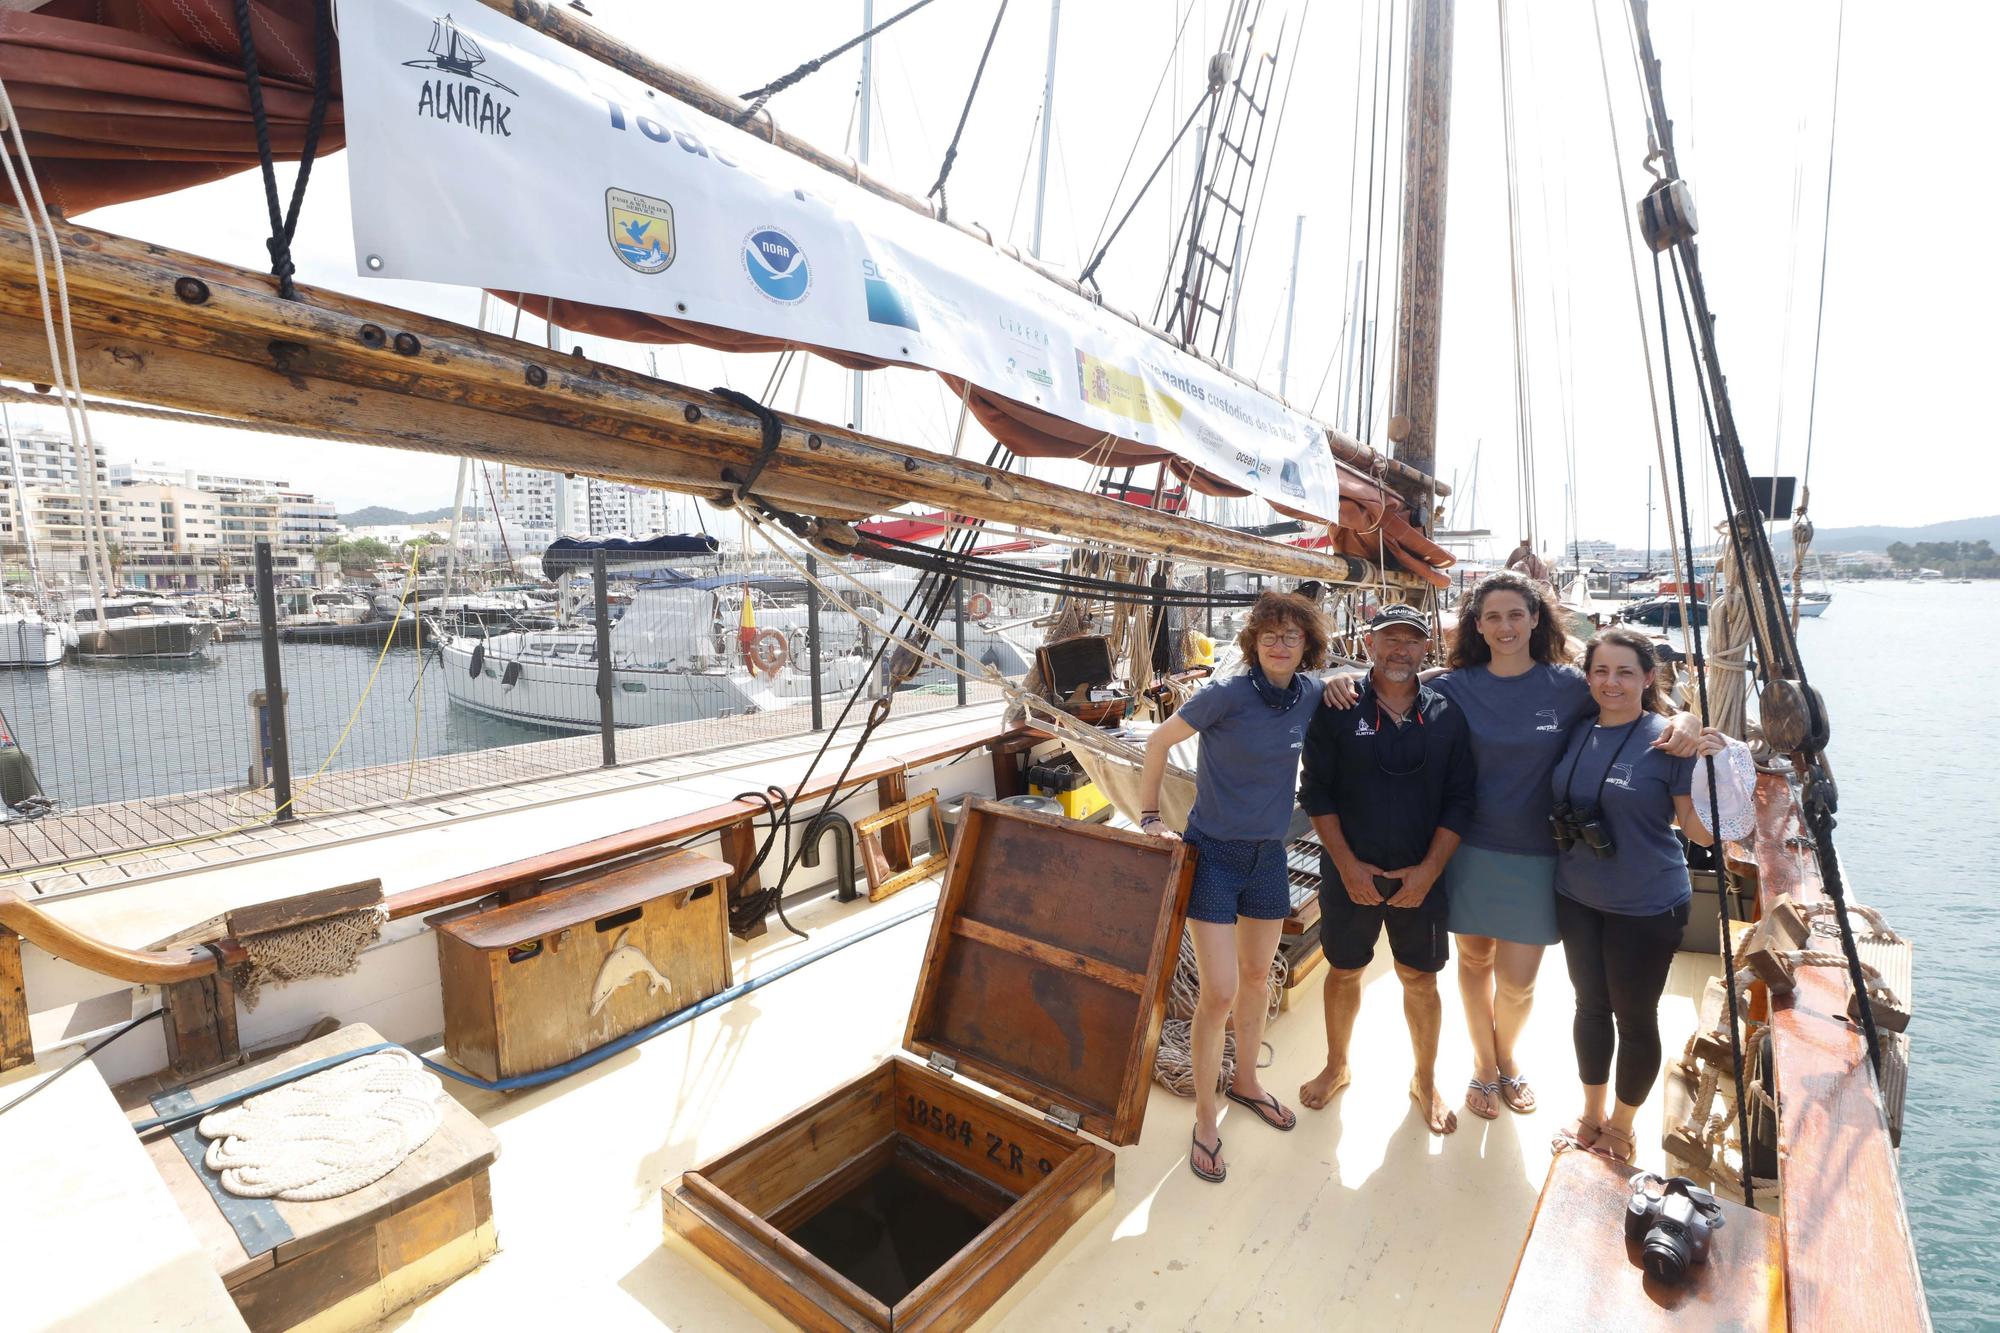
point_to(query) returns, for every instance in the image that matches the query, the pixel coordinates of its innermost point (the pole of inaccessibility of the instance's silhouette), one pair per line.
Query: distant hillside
(380, 515)
(1878, 539)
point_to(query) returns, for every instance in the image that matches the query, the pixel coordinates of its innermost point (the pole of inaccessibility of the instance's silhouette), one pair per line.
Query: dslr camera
(1572, 826)
(1672, 1220)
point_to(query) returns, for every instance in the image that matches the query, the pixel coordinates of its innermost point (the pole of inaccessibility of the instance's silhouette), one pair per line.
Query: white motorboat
(138, 628)
(677, 657)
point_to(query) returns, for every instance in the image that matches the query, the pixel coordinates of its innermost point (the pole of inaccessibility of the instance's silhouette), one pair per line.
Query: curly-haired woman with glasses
(1252, 729)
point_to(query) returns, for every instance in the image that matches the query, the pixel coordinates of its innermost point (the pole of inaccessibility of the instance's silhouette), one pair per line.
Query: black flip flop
(1216, 1176)
(1268, 1103)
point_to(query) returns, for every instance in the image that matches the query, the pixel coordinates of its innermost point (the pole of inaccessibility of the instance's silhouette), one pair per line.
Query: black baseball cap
(1401, 614)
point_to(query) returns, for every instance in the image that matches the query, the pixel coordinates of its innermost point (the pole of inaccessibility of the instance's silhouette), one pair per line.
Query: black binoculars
(1572, 826)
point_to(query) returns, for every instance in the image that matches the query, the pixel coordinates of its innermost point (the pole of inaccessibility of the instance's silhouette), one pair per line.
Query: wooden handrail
(138, 967)
(1850, 1261)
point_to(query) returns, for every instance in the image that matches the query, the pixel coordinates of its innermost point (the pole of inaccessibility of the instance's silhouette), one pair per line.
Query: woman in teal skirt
(1510, 672)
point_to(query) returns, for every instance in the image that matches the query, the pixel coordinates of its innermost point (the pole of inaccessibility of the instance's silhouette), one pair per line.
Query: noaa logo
(641, 230)
(777, 265)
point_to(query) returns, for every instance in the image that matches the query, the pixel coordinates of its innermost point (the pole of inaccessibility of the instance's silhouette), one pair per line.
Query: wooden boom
(158, 326)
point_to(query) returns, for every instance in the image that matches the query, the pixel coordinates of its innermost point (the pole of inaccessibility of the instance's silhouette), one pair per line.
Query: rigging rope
(1826, 235)
(1090, 269)
(757, 97)
(951, 150)
(285, 223)
(1683, 569)
(1693, 629)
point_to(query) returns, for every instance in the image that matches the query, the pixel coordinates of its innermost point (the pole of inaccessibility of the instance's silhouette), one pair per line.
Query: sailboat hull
(29, 641)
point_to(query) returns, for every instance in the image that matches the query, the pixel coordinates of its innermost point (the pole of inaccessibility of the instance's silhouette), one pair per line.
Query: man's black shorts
(1418, 936)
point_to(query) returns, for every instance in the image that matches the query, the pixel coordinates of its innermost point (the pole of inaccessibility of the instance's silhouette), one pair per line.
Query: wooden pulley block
(1891, 1013)
(1794, 717)
(1666, 215)
(1781, 931)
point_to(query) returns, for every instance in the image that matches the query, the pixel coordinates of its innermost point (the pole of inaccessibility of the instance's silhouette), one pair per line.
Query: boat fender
(510, 675)
(478, 660)
(979, 606)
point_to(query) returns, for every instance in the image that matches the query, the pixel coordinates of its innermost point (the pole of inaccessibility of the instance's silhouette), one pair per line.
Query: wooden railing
(1850, 1261)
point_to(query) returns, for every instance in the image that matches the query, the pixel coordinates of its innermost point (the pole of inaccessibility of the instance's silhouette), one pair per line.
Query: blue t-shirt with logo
(1520, 727)
(1615, 771)
(1249, 758)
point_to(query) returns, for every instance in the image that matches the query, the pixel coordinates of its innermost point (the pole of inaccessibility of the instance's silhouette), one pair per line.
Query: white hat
(1735, 791)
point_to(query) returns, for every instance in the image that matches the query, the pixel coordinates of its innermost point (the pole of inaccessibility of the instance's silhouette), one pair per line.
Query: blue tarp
(568, 553)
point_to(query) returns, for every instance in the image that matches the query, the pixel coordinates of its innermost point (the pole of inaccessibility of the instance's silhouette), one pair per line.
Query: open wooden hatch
(917, 1195)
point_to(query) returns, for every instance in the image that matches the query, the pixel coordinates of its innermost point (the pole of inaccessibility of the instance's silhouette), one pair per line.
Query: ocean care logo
(467, 97)
(641, 230)
(776, 265)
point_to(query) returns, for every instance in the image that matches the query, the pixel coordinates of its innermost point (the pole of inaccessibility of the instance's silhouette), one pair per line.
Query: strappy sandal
(1519, 1097)
(1215, 1174)
(1492, 1091)
(1612, 1151)
(1268, 1108)
(1570, 1136)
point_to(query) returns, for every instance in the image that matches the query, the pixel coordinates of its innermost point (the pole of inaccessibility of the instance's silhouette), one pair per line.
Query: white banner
(485, 154)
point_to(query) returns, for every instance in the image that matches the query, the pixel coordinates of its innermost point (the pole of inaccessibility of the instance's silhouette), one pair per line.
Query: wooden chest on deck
(914, 1197)
(534, 983)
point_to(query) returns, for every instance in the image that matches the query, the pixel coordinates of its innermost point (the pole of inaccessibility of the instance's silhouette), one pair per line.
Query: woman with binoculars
(1622, 889)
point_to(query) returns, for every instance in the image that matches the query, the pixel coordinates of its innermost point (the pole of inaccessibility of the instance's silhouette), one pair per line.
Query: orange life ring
(768, 653)
(979, 606)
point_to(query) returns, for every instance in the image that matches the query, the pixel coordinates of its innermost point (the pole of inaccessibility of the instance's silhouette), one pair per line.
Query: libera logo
(777, 265)
(467, 97)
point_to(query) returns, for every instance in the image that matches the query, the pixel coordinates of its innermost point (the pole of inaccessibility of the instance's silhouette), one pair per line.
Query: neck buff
(1280, 700)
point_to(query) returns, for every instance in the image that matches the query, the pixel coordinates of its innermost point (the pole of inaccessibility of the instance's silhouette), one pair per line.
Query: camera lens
(1666, 1255)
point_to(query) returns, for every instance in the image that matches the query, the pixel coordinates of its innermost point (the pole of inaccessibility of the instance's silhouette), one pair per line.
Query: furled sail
(628, 216)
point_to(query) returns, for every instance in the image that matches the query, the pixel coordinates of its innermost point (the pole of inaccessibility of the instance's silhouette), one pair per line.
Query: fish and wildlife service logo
(641, 230)
(777, 265)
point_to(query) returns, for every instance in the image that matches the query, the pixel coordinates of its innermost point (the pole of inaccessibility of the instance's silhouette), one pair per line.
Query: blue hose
(262, 1085)
(674, 1020)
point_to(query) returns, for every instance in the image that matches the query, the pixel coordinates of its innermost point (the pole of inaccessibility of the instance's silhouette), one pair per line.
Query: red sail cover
(127, 99)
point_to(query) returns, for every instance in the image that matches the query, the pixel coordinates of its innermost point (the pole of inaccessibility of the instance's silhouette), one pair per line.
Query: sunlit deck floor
(1359, 1218)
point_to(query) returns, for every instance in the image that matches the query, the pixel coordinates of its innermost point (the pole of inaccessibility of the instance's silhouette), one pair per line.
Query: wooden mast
(158, 326)
(1420, 302)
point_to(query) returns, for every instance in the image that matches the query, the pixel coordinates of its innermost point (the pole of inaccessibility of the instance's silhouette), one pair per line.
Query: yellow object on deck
(1201, 649)
(1080, 803)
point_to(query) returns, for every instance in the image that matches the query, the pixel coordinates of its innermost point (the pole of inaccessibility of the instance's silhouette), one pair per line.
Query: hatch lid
(1049, 958)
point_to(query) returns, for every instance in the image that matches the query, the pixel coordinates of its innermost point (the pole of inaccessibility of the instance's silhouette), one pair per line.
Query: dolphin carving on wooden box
(625, 962)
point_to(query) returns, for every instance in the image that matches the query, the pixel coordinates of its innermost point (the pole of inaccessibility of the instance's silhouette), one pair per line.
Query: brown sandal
(1613, 1150)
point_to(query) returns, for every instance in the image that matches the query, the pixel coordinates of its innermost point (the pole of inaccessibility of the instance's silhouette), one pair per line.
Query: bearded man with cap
(1388, 782)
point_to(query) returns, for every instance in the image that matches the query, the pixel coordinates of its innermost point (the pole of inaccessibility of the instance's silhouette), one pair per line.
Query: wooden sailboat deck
(1359, 1218)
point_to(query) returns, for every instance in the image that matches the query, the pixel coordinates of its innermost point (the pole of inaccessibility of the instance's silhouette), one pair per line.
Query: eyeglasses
(1290, 639)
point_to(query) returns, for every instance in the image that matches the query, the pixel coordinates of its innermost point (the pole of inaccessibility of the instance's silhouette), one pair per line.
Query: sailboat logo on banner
(641, 230)
(777, 265)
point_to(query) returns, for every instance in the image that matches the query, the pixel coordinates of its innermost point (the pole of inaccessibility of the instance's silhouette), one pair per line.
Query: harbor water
(1903, 669)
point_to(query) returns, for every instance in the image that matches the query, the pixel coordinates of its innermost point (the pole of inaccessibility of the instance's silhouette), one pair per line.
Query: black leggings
(1618, 966)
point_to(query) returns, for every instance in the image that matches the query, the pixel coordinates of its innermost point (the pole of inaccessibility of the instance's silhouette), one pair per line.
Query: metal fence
(300, 704)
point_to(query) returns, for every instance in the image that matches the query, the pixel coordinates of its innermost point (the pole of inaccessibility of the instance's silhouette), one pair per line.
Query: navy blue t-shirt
(1249, 758)
(1520, 726)
(1615, 771)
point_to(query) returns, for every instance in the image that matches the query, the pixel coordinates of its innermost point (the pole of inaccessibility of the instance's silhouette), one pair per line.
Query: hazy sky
(1911, 265)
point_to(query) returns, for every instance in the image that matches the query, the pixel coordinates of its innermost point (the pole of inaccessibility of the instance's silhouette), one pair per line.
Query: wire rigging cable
(1826, 235)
